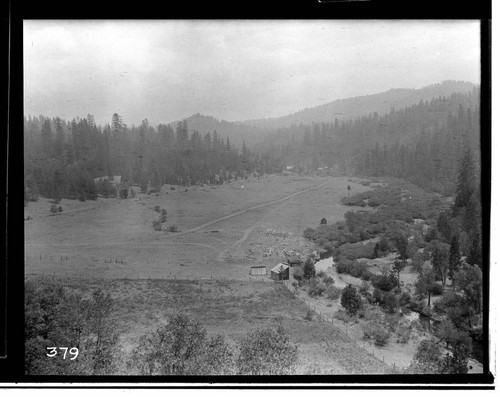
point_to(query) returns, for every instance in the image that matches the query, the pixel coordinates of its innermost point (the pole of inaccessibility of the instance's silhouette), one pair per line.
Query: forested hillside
(420, 143)
(62, 158)
(237, 132)
(351, 108)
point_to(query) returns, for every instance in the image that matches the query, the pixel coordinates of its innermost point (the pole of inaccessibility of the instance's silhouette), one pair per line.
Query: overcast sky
(233, 70)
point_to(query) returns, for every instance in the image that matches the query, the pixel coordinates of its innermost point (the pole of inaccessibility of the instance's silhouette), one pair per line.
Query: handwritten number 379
(53, 352)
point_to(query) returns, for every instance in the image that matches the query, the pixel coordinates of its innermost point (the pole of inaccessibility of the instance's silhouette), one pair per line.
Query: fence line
(323, 317)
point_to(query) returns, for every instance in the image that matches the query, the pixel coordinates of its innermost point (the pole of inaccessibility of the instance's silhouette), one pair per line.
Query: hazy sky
(233, 70)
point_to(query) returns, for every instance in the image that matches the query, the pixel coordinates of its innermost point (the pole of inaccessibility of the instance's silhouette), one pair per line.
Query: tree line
(421, 143)
(63, 158)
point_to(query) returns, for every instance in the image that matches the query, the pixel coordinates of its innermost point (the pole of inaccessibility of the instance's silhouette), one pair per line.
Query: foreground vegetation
(446, 257)
(165, 327)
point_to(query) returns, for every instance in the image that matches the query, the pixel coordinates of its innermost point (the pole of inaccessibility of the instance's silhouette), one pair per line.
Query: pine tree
(309, 270)
(467, 182)
(59, 141)
(47, 139)
(350, 300)
(454, 258)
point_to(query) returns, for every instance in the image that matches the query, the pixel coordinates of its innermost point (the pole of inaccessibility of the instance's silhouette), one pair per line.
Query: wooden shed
(280, 272)
(258, 271)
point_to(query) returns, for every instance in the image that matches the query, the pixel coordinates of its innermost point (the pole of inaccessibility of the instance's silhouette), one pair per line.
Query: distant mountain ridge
(350, 108)
(252, 131)
(237, 132)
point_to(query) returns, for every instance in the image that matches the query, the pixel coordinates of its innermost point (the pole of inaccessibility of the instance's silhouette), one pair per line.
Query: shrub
(328, 280)
(437, 289)
(123, 193)
(186, 350)
(378, 296)
(381, 337)
(449, 300)
(384, 244)
(342, 315)
(404, 299)
(157, 208)
(391, 321)
(309, 233)
(173, 229)
(355, 250)
(350, 300)
(309, 315)
(403, 333)
(390, 302)
(353, 201)
(157, 225)
(385, 282)
(172, 187)
(371, 313)
(267, 352)
(358, 269)
(333, 293)
(60, 209)
(373, 202)
(365, 287)
(308, 269)
(366, 275)
(298, 274)
(53, 209)
(373, 330)
(343, 266)
(316, 287)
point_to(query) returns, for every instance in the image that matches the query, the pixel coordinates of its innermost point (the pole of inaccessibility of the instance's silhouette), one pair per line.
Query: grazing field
(231, 308)
(223, 229)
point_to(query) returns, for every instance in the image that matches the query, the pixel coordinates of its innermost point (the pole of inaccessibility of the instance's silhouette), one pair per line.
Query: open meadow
(223, 230)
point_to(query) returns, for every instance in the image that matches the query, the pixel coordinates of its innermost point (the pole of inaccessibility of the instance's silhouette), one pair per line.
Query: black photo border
(12, 273)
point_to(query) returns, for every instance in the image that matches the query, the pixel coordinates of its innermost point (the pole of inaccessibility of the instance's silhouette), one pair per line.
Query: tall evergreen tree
(454, 258)
(467, 182)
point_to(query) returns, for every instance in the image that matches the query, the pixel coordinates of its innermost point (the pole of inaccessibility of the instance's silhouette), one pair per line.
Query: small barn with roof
(280, 272)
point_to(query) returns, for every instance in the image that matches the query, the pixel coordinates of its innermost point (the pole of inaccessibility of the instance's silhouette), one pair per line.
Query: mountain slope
(237, 132)
(350, 108)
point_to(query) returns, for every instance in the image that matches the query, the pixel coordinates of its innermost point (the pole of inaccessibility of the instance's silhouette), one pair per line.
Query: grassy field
(110, 243)
(115, 238)
(231, 308)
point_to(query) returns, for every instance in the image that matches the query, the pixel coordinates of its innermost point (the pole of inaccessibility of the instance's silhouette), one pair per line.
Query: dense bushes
(55, 317)
(384, 282)
(267, 352)
(157, 225)
(350, 300)
(316, 287)
(182, 347)
(333, 293)
(372, 330)
(355, 251)
(354, 268)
